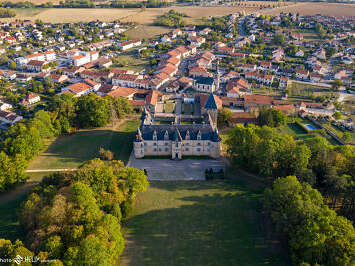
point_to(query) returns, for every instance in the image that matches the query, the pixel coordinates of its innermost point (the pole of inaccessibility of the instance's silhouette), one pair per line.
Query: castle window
(187, 144)
(159, 149)
(166, 149)
(198, 144)
(187, 149)
(166, 135)
(198, 149)
(154, 144)
(208, 144)
(166, 144)
(155, 149)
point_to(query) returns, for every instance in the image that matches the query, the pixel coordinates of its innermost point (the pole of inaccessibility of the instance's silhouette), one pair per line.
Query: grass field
(200, 223)
(130, 60)
(298, 133)
(146, 31)
(169, 107)
(10, 202)
(71, 151)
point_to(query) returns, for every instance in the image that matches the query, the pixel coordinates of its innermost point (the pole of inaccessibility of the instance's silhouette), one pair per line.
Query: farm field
(331, 9)
(57, 15)
(200, 223)
(61, 15)
(72, 150)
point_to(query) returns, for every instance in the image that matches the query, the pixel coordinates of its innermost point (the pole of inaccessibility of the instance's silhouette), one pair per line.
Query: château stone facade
(178, 140)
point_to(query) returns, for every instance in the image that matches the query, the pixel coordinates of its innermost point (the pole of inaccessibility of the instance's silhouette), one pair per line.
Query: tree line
(75, 218)
(7, 13)
(311, 162)
(317, 235)
(20, 4)
(24, 140)
(171, 19)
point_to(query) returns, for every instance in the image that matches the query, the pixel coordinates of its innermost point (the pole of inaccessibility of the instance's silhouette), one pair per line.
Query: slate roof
(204, 80)
(180, 132)
(211, 103)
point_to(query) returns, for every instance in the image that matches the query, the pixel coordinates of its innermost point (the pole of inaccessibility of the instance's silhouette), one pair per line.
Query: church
(200, 138)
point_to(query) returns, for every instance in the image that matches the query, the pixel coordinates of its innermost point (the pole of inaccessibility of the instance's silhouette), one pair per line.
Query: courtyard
(167, 169)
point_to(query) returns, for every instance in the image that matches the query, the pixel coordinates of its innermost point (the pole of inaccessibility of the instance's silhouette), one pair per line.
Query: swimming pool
(310, 127)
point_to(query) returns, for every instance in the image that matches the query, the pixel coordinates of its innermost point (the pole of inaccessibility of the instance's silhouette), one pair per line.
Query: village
(177, 133)
(301, 65)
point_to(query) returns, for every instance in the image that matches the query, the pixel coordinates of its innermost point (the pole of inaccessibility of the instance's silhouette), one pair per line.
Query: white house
(299, 53)
(50, 55)
(31, 99)
(5, 106)
(81, 59)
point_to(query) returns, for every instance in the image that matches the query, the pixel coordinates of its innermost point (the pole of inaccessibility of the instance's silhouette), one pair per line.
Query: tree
(75, 217)
(336, 84)
(12, 65)
(10, 250)
(279, 39)
(320, 30)
(121, 106)
(62, 108)
(346, 136)
(7, 13)
(42, 122)
(224, 118)
(92, 111)
(317, 235)
(12, 170)
(271, 117)
(23, 140)
(106, 154)
(337, 115)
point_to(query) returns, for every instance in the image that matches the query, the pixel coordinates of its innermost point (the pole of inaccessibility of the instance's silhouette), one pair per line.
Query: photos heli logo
(18, 259)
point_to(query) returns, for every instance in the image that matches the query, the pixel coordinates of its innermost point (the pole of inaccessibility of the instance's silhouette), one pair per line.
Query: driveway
(166, 169)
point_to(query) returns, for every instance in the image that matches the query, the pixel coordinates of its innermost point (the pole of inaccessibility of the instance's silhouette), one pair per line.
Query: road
(50, 170)
(241, 30)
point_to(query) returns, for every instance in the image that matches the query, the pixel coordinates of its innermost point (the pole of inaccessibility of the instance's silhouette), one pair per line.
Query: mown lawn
(169, 107)
(200, 223)
(294, 130)
(70, 151)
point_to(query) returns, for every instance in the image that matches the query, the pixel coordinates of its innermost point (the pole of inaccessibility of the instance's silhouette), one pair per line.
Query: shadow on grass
(9, 223)
(219, 228)
(72, 150)
(226, 185)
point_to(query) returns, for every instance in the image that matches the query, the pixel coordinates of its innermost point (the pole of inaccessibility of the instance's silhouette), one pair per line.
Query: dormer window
(187, 135)
(154, 135)
(199, 135)
(166, 135)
